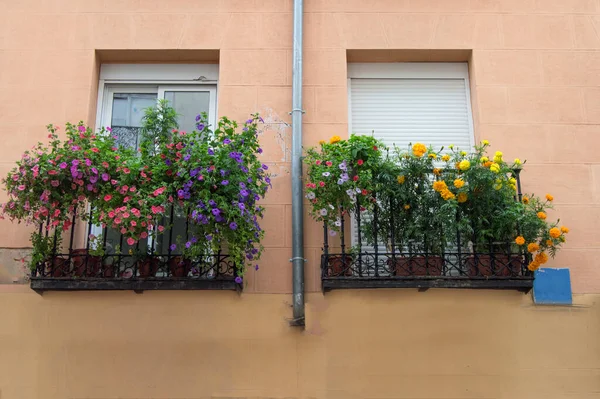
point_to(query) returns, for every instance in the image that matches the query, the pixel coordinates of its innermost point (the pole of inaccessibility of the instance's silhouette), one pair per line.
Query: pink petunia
(133, 223)
(52, 172)
(105, 164)
(107, 197)
(126, 199)
(118, 220)
(126, 215)
(21, 187)
(130, 241)
(55, 183)
(95, 150)
(144, 234)
(132, 189)
(111, 214)
(126, 171)
(161, 228)
(123, 230)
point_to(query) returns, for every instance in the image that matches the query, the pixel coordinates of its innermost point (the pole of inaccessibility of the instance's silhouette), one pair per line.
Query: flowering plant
(411, 212)
(340, 174)
(55, 181)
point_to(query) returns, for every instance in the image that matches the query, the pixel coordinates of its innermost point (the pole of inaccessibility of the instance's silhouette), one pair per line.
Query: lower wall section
(357, 344)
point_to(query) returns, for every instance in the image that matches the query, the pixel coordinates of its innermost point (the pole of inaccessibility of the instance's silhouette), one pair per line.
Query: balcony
(145, 266)
(395, 263)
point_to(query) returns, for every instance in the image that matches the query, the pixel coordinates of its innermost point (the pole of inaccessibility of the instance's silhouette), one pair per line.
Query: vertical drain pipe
(297, 197)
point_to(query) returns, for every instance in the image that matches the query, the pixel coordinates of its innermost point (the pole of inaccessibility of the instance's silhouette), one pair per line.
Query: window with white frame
(126, 90)
(403, 103)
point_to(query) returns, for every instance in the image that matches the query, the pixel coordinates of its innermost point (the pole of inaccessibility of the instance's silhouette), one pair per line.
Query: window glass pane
(188, 104)
(127, 113)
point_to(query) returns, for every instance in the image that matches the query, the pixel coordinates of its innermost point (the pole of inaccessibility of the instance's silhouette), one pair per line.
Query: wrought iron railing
(150, 264)
(497, 265)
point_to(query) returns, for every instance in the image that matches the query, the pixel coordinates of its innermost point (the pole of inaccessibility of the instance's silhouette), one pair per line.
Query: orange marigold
(564, 229)
(446, 158)
(437, 171)
(549, 197)
(459, 183)
(419, 149)
(555, 232)
(447, 194)
(541, 215)
(439, 185)
(322, 142)
(520, 240)
(487, 164)
(549, 243)
(533, 266)
(541, 258)
(525, 200)
(335, 139)
(462, 197)
(407, 207)
(532, 247)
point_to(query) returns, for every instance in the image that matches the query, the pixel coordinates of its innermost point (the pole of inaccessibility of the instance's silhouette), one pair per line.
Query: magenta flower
(63, 165)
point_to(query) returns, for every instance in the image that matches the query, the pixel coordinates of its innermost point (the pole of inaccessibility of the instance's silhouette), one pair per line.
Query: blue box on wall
(552, 287)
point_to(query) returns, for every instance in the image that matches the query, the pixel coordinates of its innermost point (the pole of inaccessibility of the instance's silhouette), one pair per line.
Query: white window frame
(412, 70)
(408, 70)
(153, 79)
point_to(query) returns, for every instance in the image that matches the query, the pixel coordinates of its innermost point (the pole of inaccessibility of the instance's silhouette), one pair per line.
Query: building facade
(522, 74)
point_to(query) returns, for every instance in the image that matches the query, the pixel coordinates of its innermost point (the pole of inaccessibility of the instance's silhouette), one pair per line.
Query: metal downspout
(297, 198)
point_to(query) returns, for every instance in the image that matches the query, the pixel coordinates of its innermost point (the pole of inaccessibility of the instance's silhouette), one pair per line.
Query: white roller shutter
(411, 102)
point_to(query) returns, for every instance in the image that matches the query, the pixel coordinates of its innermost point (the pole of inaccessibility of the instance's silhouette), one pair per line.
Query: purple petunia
(260, 150)
(200, 126)
(198, 117)
(244, 193)
(212, 203)
(238, 280)
(241, 206)
(188, 244)
(256, 267)
(216, 211)
(173, 247)
(225, 182)
(208, 237)
(168, 162)
(226, 141)
(211, 152)
(265, 167)
(233, 225)
(187, 157)
(249, 121)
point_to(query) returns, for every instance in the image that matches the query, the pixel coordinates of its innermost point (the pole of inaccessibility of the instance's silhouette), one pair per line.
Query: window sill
(425, 282)
(41, 284)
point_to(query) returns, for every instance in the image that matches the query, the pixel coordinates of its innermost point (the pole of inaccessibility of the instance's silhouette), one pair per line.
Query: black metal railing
(460, 265)
(111, 264)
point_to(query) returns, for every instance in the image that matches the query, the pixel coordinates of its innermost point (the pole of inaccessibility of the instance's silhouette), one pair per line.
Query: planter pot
(500, 265)
(417, 265)
(148, 267)
(340, 266)
(83, 269)
(107, 271)
(56, 267)
(179, 267)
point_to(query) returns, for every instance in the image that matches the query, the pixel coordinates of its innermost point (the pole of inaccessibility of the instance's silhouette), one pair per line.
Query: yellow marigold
(555, 232)
(541, 215)
(497, 186)
(484, 159)
(533, 266)
(549, 197)
(437, 171)
(322, 142)
(498, 154)
(564, 229)
(517, 161)
(451, 146)
(520, 240)
(485, 142)
(462, 197)
(335, 139)
(541, 258)
(549, 243)
(463, 153)
(419, 149)
(447, 194)
(512, 180)
(446, 158)
(494, 167)
(464, 165)
(532, 247)
(525, 200)
(407, 207)
(401, 179)
(459, 183)
(439, 185)
(432, 156)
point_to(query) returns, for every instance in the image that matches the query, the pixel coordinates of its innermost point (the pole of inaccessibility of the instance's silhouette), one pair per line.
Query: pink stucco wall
(534, 73)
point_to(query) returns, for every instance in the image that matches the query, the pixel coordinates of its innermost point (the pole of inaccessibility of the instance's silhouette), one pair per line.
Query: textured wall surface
(368, 344)
(534, 74)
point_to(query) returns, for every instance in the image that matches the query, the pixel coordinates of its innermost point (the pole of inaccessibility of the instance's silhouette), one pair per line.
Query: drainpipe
(297, 197)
